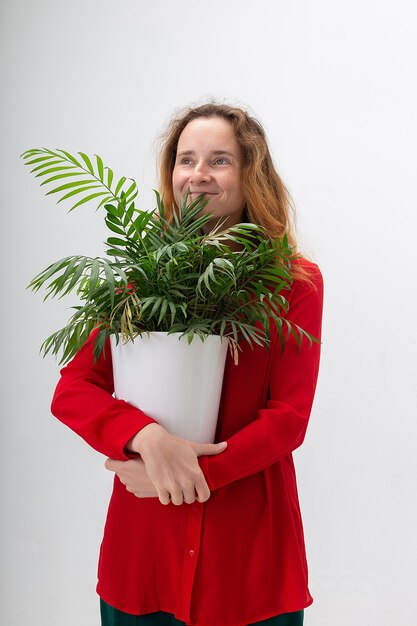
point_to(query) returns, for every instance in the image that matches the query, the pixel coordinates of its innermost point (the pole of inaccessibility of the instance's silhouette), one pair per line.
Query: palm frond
(91, 171)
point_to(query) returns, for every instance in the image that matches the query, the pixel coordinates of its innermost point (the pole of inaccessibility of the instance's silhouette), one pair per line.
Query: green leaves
(160, 275)
(91, 171)
(87, 273)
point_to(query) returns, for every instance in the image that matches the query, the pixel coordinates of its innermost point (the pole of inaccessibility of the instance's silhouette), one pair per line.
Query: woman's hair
(267, 200)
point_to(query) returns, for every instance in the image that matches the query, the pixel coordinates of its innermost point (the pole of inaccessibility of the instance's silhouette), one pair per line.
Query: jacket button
(195, 509)
(191, 553)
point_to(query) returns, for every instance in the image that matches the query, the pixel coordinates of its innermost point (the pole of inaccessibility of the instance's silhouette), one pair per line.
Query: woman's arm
(280, 427)
(83, 401)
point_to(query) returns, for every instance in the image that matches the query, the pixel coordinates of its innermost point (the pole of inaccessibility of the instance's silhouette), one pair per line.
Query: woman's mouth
(199, 193)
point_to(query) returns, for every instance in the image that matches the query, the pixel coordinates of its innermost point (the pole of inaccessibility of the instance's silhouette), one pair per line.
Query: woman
(209, 534)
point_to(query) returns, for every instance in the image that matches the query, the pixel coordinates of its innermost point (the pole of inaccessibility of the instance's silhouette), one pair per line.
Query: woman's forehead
(215, 134)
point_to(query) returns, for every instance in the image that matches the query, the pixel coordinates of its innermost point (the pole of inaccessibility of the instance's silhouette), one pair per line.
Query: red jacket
(239, 557)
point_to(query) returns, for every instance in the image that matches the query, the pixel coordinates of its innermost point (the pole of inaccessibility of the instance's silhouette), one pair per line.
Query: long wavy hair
(267, 200)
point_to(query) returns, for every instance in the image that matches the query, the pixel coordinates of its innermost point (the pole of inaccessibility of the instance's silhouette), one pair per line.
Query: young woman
(209, 534)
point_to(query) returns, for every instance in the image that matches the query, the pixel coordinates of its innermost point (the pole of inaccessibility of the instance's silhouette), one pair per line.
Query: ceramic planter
(176, 383)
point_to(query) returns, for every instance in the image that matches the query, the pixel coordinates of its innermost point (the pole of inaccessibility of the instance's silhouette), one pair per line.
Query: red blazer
(239, 557)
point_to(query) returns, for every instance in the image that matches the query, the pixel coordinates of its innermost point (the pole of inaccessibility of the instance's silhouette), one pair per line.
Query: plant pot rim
(165, 332)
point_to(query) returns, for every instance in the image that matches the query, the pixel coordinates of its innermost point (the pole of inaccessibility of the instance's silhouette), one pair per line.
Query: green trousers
(114, 617)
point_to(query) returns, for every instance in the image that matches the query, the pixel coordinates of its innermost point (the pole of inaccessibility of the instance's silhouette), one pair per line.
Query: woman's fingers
(150, 476)
(133, 475)
(112, 465)
(176, 497)
(208, 448)
(189, 494)
(202, 489)
(164, 496)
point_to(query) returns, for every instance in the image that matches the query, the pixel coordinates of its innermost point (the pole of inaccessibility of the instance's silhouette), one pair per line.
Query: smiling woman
(267, 200)
(209, 161)
(209, 534)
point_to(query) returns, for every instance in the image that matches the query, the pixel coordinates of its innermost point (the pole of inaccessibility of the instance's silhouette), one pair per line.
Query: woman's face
(209, 161)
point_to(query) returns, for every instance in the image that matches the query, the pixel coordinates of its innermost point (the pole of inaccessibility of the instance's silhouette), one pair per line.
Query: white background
(334, 84)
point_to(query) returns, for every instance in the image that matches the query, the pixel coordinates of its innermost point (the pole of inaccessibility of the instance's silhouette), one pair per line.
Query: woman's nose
(200, 173)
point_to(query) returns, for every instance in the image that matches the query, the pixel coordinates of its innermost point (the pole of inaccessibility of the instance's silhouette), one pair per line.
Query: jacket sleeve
(280, 426)
(83, 401)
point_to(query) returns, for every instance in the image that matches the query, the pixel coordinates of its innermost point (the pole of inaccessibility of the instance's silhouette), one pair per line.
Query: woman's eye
(219, 161)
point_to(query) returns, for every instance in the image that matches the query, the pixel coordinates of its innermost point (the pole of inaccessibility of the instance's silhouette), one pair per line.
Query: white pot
(176, 383)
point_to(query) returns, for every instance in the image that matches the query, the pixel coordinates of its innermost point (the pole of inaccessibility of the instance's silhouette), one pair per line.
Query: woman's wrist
(137, 443)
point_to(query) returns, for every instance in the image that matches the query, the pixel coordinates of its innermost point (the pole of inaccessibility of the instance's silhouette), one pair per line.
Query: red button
(191, 553)
(195, 509)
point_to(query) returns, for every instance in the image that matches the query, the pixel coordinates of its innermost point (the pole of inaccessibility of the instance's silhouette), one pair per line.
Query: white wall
(335, 86)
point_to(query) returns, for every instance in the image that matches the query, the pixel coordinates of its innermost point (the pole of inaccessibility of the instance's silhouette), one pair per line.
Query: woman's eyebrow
(186, 152)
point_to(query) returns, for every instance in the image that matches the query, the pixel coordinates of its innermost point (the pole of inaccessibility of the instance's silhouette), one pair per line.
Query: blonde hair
(267, 200)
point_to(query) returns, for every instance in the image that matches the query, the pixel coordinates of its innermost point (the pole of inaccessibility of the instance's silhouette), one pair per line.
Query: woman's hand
(133, 475)
(171, 464)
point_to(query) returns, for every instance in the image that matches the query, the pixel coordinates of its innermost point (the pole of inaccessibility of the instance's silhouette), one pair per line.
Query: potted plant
(159, 287)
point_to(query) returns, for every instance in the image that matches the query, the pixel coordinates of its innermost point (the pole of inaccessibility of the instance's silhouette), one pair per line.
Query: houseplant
(161, 277)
